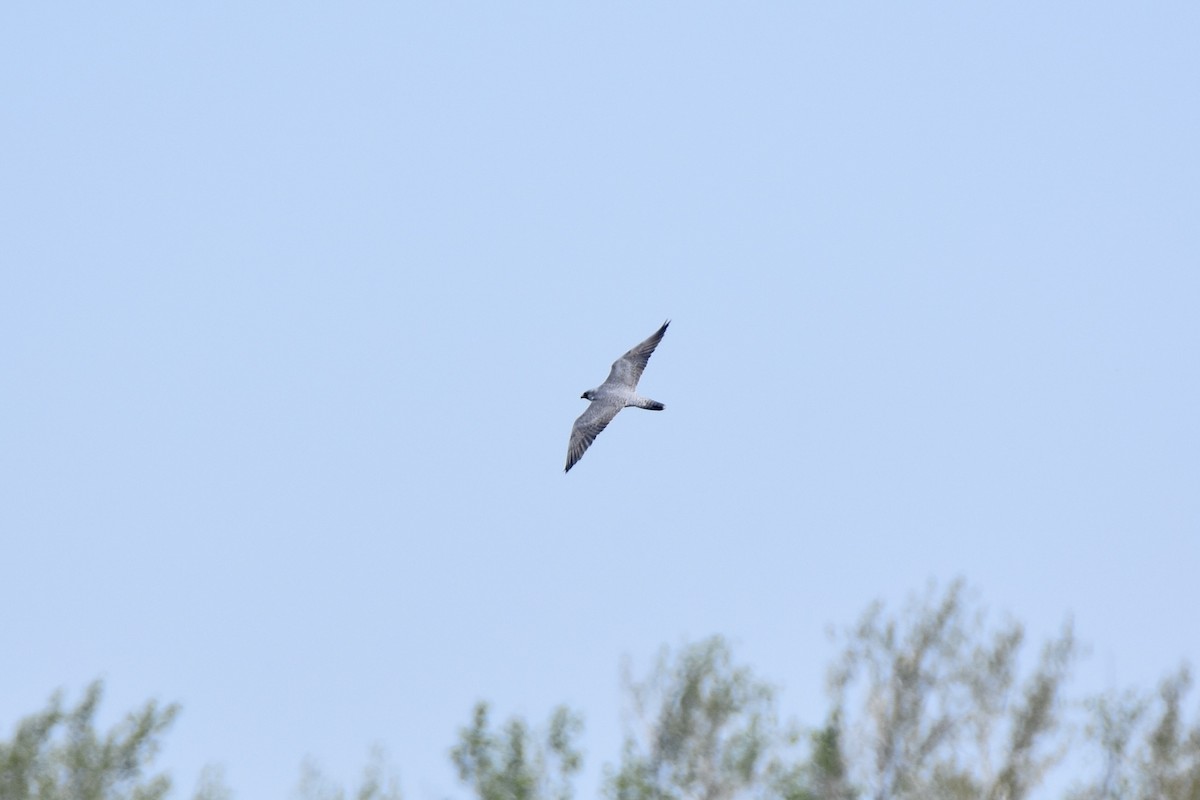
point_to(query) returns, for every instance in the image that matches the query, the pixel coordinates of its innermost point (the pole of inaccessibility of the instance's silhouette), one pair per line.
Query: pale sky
(298, 301)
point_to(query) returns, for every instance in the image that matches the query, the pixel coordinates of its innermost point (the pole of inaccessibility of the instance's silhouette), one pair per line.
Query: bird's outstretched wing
(627, 369)
(585, 430)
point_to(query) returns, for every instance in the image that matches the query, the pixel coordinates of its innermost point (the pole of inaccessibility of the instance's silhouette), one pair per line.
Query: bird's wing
(585, 430)
(627, 369)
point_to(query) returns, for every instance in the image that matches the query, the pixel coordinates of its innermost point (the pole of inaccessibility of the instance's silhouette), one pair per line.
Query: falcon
(617, 392)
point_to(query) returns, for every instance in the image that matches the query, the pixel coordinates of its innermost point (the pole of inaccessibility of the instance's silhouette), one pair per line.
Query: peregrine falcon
(618, 391)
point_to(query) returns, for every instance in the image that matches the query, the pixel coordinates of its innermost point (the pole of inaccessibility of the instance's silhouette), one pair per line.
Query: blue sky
(298, 301)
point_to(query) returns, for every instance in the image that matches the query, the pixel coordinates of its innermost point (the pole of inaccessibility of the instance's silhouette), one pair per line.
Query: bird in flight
(618, 391)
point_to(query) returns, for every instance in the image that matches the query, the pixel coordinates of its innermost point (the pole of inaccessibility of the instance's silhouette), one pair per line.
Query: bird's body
(618, 391)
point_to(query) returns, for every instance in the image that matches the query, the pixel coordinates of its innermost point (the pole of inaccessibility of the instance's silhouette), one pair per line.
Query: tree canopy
(57, 754)
(934, 701)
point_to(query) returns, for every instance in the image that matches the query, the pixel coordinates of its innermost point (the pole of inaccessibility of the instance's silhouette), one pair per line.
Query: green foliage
(708, 730)
(513, 764)
(57, 754)
(827, 776)
(377, 782)
(211, 785)
(932, 701)
(1147, 749)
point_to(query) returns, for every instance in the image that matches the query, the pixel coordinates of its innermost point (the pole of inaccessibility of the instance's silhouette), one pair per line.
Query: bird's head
(587, 395)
